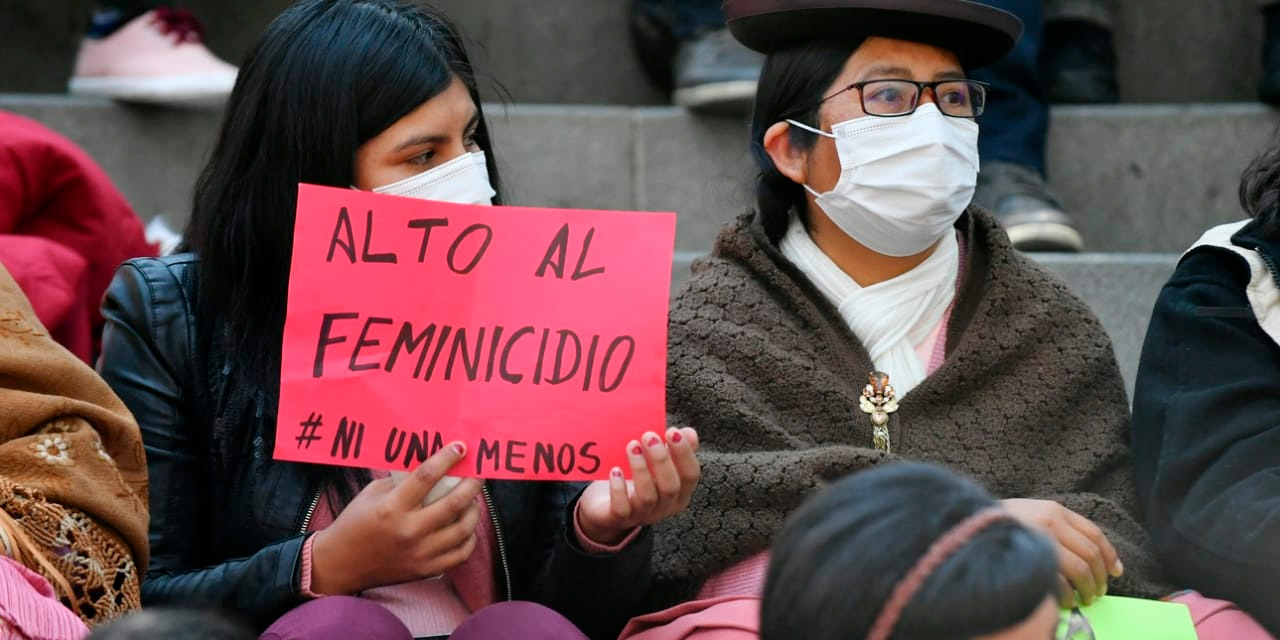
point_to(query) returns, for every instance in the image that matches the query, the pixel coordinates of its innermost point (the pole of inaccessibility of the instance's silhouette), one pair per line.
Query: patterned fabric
(72, 470)
(1029, 402)
(88, 559)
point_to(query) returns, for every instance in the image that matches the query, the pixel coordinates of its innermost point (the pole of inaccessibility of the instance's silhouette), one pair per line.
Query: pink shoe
(157, 58)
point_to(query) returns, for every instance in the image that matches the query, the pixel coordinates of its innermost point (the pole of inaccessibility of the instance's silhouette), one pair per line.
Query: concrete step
(1169, 174)
(578, 52)
(1121, 289)
(1139, 178)
(557, 51)
(1215, 56)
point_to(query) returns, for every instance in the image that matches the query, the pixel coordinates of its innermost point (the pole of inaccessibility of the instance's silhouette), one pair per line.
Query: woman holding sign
(867, 313)
(380, 96)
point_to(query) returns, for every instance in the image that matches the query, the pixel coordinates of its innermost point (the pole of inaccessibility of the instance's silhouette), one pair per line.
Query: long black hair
(326, 76)
(1260, 190)
(792, 84)
(840, 556)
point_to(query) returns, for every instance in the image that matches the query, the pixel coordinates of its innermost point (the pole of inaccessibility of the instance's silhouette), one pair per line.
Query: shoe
(1021, 200)
(1269, 87)
(714, 73)
(156, 58)
(1078, 63)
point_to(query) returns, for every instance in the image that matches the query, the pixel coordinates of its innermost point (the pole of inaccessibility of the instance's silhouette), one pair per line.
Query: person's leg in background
(685, 46)
(1015, 127)
(1077, 55)
(148, 51)
(1269, 87)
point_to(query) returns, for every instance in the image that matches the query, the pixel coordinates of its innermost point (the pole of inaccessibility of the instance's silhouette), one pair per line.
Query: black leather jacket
(232, 538)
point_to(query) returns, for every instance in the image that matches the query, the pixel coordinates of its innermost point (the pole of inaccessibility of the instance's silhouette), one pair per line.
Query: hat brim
(976, 33)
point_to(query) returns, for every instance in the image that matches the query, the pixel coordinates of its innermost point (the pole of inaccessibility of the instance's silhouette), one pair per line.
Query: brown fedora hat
(976, 33)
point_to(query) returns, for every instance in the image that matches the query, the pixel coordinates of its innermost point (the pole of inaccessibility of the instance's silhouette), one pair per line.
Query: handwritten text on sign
(536, 336)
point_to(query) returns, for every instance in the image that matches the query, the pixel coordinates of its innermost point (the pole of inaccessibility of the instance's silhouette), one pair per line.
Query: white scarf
(892, 317)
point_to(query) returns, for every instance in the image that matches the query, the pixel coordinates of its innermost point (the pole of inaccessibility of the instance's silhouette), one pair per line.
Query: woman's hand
(386, 536)
(1085, 555)
(664, 476)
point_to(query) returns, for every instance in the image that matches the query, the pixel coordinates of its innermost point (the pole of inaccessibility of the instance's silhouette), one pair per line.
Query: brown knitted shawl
(1029, 402)
(73, 475)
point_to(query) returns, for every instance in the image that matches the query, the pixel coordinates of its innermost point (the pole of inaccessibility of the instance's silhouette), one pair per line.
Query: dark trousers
(1016, 122)
(687, 17)
(130, 7)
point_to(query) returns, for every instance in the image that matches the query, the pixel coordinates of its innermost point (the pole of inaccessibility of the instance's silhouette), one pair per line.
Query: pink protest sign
(536, 336)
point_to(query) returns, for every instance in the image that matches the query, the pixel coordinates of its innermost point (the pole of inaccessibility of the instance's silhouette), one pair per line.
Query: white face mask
(463, 180)
(903, 181)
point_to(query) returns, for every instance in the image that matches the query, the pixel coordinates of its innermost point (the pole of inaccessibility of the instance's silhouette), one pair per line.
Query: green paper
(1117, 618)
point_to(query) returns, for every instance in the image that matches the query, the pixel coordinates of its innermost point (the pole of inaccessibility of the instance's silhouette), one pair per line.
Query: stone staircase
(1144, 178)
(577, 51)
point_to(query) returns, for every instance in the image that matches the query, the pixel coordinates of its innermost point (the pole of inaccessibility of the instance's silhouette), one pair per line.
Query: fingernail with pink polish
(459, 448)
(636, 450)
(616, 473)
(675, 437)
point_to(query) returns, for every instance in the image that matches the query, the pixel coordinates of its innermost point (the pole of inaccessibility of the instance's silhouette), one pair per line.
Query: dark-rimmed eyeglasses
(895, 97)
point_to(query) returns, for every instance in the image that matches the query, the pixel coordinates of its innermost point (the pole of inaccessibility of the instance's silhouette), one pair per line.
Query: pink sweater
(29, 608)
(436, 606)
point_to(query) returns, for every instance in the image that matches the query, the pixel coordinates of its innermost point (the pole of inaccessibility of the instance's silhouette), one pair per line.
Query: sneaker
(1020, 199)
(1269, 88)
(1078, 63)
(715, 73)
(155, 58)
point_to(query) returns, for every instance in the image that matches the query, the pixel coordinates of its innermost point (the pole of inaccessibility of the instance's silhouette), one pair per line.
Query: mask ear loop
(810, 129)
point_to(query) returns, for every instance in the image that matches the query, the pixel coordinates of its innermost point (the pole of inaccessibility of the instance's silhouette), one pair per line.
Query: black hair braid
(792, 84)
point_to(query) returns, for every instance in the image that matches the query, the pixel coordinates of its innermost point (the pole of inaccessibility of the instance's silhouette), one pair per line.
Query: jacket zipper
(1258, 248)
(1271, 265)
(311, 511)
(502, 544)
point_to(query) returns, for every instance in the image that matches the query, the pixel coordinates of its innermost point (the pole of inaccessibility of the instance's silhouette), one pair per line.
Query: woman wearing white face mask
(866, 313)
(380, 96)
